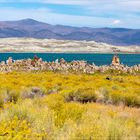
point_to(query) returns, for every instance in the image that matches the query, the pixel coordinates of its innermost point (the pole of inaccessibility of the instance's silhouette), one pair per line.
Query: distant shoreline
(72, 53)
(32, 45)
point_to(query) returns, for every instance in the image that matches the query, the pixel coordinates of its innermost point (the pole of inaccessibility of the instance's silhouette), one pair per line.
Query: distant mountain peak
(28, 21)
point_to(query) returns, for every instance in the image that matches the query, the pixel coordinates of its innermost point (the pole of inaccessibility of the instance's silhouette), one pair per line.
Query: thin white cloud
(68, 2)
(75, 2)
(116, 22)
(128, 5)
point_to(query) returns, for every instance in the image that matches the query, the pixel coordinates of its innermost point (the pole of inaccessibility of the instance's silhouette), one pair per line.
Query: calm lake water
(98, 59)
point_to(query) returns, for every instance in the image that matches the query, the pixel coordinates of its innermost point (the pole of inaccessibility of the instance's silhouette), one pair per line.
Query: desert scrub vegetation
(54, 106)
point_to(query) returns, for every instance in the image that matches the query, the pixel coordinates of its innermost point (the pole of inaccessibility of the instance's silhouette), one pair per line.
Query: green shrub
(54, 102)
(8, 95)
(81, 95)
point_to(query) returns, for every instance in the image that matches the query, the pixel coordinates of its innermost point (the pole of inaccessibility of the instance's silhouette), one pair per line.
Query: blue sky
(91, 13)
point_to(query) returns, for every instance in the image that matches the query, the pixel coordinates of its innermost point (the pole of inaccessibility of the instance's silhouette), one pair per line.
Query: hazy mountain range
(35, 29)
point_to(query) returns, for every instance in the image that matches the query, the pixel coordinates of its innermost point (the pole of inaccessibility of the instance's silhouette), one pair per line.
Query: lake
(98, 59)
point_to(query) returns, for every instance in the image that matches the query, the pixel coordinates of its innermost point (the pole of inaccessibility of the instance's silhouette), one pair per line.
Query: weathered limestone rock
(9, 61)
(62, 61)
(38, 64)
(115, 60)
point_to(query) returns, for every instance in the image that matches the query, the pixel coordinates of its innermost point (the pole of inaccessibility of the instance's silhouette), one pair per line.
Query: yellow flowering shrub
(53, 106)
(16, 129)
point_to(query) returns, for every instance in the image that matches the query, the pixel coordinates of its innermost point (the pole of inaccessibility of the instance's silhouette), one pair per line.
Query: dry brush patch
(47, 105)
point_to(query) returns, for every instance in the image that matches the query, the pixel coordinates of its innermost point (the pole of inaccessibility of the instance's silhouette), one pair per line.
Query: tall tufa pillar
(115, 60)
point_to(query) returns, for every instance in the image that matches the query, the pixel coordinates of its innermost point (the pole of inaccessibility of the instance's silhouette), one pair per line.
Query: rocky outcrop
(37, 64)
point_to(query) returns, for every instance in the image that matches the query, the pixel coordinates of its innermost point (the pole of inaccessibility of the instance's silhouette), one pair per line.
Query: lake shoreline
(125, 53)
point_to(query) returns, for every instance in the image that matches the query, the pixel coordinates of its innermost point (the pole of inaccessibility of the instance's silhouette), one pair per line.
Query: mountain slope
(36, 29)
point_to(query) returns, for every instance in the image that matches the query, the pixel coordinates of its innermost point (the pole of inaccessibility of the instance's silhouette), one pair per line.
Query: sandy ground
(66, 46)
